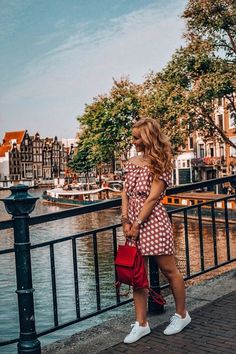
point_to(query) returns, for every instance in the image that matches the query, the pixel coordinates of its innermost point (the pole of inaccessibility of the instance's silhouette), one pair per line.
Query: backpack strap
(158, 298)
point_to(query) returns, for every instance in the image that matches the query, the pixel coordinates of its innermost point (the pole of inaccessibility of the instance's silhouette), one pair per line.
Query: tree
(108, 120)
(214, 21)
(196, 78)
(82, 161)
(182, 95)
(211, 27)
(160, 100)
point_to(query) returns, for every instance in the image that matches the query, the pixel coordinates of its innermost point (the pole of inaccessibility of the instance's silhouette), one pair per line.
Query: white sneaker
(177, 324)
(137, 332)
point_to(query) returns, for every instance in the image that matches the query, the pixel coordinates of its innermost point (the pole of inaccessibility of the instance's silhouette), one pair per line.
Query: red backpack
(130, 270)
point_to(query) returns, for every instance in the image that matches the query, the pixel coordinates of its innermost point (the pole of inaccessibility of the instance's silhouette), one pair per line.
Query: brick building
(207, 158)
(31, 158)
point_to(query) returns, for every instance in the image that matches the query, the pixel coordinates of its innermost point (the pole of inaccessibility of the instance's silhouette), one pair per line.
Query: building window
(220, 101)
(222, 153)
(220, 121)
(211, 150)
(232, 150)
(201, 150)
(191, 142)
(232, 119)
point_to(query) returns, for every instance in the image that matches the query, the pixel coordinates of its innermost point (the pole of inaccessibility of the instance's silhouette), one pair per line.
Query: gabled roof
(18, 136)
(4, 148)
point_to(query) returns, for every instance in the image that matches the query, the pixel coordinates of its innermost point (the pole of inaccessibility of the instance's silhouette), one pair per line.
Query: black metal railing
(20, 204)
(210, 217)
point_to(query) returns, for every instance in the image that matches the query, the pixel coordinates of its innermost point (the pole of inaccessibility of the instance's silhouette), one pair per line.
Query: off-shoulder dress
(156, 233)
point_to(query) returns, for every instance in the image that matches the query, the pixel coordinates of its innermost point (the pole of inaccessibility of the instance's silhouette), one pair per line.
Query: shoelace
(173, 320)
(134, 328)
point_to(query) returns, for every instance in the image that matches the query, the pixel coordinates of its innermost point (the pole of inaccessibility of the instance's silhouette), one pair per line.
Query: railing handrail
(196, 185)
(208, 202)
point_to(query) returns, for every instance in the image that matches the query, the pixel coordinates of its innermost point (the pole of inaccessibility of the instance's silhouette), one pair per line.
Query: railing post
(20, 204)
(153, 307)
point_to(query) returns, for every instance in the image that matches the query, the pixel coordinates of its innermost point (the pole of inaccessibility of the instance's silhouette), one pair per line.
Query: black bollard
(20, 204)
(153, 307)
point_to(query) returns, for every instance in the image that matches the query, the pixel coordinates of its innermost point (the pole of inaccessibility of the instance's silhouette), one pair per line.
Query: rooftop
(17, 135)
(4, 148)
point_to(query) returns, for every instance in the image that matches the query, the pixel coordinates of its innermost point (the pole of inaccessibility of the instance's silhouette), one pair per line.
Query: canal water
(64, 267)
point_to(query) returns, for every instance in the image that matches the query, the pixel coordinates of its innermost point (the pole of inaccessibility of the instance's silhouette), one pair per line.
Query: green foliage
(180, 97)
(82, 162)
(107, 122)
(215, 21)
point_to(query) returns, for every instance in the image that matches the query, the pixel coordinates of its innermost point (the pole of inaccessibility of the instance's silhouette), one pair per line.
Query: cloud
(10, 15)
(57, 85)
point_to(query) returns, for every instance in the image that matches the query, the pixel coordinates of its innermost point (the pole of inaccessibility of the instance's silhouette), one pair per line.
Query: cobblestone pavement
(212, 330)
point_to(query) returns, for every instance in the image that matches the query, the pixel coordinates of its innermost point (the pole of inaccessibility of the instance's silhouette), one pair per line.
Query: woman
(145, 220)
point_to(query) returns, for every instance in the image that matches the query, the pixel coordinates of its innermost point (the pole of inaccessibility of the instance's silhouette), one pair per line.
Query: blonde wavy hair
(157, 146)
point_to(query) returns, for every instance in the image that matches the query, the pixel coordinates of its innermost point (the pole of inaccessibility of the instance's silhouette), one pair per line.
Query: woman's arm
(158, 186)
(126, 224)
(125, 202)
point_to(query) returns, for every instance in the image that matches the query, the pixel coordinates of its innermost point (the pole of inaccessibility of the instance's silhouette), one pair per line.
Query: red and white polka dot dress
(156, 233)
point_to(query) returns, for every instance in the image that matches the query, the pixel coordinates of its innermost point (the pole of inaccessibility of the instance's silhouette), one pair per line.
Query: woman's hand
(134, 230)
(126, 229)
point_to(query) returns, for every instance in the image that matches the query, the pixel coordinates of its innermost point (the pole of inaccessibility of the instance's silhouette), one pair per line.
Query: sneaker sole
(170, 334)
(138, 338)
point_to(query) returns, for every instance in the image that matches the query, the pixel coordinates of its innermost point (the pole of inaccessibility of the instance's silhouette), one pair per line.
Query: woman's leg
(141, 327)
(168, 267)
(140, 305)
(140, 302)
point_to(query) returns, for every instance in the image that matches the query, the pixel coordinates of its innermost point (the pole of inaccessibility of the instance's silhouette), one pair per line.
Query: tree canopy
(106, 122)
(214, 21)
(211, 37)
(181, 96)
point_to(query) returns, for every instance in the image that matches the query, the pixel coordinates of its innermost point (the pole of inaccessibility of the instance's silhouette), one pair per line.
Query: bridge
(20, 204)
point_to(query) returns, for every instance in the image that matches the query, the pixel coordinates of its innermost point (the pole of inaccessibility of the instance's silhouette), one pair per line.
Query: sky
(57, 55)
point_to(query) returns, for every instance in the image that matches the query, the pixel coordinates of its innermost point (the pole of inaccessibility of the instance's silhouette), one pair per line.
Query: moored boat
(204, 204)
(191, 198)
(80, 197)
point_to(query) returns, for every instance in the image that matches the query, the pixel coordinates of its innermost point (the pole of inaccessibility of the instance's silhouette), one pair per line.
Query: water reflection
(208, 244)
(86, 267)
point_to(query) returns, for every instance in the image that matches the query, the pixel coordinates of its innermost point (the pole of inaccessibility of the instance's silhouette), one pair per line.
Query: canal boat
(188, 199)
(215, 204)
(80, 197)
